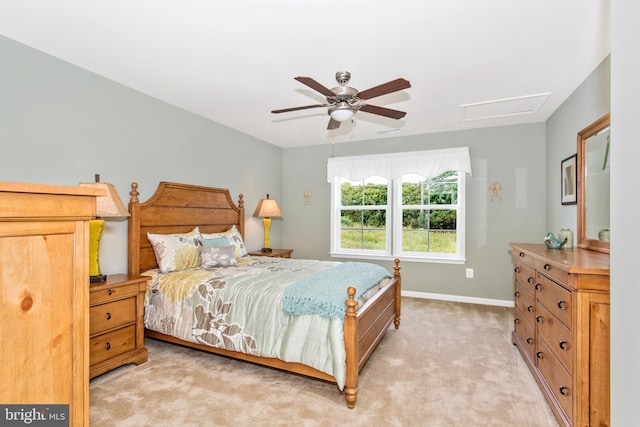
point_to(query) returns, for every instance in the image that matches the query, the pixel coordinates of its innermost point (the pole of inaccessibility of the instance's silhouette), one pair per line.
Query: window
(417, 216)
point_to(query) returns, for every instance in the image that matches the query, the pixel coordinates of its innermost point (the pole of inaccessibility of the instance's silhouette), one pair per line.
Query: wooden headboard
(177, 208)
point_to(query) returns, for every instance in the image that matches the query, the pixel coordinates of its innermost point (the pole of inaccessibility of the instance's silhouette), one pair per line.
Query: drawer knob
(538, 286)
(564, 391)
(108, 316)
(517, 294)
(516, 321)
(547, 267)
(539, 319)
(110, 291)
(539, 355)
(564, 345)
(521, 254)
(530, 309)
(108, 346)
(517, 269)
(530, 340)
(530, 279)
(562, 305)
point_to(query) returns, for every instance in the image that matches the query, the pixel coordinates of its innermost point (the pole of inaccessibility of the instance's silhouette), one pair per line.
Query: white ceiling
(235, 61)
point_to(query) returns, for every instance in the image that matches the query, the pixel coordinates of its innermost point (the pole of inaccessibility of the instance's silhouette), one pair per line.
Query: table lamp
(267, 209)
(109, 206)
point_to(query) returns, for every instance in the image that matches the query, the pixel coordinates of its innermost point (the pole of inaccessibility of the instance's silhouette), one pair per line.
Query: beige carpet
(449, 364)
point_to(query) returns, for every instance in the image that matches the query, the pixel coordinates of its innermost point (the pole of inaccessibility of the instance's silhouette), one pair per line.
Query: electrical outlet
(469, 273)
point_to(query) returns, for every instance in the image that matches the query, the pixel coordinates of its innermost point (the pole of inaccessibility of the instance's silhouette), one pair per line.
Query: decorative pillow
(218, 256)
(216, 241)
(235, 239)
(176, 251)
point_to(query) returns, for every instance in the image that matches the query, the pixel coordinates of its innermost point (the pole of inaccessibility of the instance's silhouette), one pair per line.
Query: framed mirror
(594, 166)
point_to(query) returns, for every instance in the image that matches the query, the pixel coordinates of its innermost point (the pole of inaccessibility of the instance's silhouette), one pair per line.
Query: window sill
(433, 260)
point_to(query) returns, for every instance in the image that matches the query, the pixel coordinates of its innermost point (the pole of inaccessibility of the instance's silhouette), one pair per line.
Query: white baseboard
(458, 298)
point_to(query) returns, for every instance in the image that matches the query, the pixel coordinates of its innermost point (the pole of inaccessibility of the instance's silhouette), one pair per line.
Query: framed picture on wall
(568, 181)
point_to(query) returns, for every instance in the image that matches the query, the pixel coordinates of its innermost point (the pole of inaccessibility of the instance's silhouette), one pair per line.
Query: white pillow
(176, 251)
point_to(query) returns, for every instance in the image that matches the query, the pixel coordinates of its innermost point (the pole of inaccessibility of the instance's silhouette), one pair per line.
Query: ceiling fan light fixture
(342, 112)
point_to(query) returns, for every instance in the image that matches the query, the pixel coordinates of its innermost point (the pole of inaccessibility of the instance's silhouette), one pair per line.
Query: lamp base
(97, 279)
(266, 250)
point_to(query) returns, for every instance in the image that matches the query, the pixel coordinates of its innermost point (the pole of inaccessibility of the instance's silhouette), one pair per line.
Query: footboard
(364, 328)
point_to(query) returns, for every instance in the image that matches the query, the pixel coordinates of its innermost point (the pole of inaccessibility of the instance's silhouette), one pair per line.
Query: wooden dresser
(562, 328)
(116, 323)
(44, 295)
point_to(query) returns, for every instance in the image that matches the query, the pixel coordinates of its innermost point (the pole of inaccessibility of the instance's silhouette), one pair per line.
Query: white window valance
(428, 164)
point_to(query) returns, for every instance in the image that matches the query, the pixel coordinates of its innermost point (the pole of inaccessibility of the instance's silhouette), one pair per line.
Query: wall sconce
(267, 209)
(109, 206)
(307, 197)
(495, 190)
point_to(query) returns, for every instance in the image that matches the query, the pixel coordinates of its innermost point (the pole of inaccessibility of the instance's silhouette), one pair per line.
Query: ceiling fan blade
(385, 88)
(382, 111)
(333, 124)
(286, 110)
(315, 86)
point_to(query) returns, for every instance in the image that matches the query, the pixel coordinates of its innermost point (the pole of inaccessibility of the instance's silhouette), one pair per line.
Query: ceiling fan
(344, 101)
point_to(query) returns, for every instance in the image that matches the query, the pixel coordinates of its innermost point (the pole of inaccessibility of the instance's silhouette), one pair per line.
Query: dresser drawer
(112, 344)
(557, 378)
(551, 270)
(522, 257)
(525, 274)
(525, 333)
(525, 302)
(112, 315)
(113, 293)
(558, 337)
(555, 298)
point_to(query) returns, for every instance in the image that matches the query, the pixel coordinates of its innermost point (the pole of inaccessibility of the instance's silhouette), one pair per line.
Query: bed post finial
(134, 192)
(241, 201)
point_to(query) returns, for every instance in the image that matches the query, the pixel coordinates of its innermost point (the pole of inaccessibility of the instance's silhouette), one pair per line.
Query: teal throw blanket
(325, 293)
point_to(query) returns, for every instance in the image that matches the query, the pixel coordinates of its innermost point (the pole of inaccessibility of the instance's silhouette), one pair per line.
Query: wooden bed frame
(178, 208)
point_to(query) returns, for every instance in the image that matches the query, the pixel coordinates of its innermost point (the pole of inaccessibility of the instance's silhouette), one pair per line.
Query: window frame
(394, 210)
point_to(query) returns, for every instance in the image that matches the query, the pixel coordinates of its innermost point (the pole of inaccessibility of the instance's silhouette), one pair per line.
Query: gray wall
(60, 124)
(589, 102)
(514, 156)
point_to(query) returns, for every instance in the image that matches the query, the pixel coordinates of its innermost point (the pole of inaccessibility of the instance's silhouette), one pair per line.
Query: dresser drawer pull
(516, 321)
(564, 345)
(564, 391)
(562, 305)
(517, 294)
(538, 286)
(108, 316)
(547, 267)
(108, 346)
(539, 355)
(539, 319)
(521, 254)
(530, 340)
(517, 269)
(530, 279)
(530, 309)
(110, 291)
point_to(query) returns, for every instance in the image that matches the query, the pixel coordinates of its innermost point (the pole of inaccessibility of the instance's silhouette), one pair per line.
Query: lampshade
(342, 112)
(267, 208)
(109, 206)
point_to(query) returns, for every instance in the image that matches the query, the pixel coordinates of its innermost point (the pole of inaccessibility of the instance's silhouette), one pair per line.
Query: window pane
(363, 229)
(370, 192)
(426, 230)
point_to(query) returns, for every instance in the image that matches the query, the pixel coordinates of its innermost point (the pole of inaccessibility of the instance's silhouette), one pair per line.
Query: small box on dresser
(561, 327)
(116, 323)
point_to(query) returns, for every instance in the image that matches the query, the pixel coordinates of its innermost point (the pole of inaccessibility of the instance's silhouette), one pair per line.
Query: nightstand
(275, 253)
(116, 323)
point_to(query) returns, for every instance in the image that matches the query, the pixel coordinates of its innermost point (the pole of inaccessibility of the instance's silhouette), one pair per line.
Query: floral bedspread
(240, 309)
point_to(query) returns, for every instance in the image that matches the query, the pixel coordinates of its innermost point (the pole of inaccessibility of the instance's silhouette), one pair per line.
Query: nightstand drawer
(112, 315)
(112, 344)
(115, 292)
